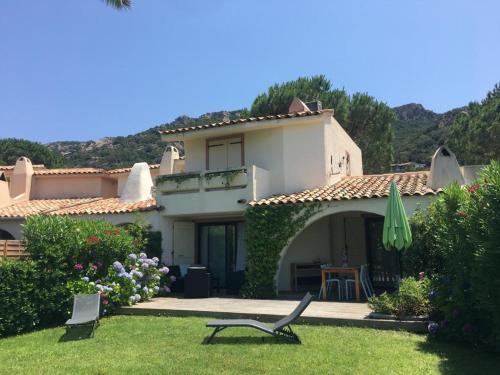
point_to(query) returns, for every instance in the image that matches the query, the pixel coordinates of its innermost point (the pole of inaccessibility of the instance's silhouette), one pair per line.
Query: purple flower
(155, 259)
(421, 275)
(433, 327)
(164, 270)
(118, 267)
(86, 279)
(156, 289)
(173, 278)
(143, 255)
(166, 289)
(132, 257)
(145, 290)
(137, 298)
(145, 265)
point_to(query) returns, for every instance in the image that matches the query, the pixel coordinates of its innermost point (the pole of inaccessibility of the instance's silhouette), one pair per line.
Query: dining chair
(329, 282)
(364, 280)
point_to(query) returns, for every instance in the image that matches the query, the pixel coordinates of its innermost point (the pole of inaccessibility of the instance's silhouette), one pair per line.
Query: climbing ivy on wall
(269, 228)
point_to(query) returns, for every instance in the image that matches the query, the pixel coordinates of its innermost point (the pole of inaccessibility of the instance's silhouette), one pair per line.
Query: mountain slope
(417, 134)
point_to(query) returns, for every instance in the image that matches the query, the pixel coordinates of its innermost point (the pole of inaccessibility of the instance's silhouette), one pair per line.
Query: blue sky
(78, 70)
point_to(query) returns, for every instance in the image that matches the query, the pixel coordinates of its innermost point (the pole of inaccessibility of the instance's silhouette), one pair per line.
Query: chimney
(315, 105)
(20, 185)
(167, 163)
(444, 169)
(298, 105)
(138, 185)
(4, 191)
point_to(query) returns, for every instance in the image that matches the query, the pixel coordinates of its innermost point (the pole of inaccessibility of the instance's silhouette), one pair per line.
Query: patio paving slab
(335, 313)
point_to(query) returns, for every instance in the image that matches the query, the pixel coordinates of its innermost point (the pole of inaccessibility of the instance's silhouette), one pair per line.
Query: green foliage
(475, 133)
(119, 4)
(410, 300)
(437, 234)
(145, 239)
(18, 296)
(457, 241)
(58, 246)
(61, 242)
(12, 149)
(269, 228)
(365, 119)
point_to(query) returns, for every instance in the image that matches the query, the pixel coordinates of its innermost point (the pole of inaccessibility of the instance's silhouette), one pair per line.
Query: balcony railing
(212, 192)
(192, 182)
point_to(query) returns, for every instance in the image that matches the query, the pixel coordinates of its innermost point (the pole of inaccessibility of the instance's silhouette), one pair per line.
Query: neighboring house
(302, 156)
(114, 195)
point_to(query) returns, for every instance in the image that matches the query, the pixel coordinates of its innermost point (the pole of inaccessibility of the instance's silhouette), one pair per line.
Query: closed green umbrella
(397, 233)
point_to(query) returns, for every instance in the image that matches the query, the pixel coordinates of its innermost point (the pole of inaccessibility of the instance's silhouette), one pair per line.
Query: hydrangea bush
(136, 279)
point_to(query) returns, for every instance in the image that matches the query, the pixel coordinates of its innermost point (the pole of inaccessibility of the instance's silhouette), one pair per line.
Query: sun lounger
(280, 329)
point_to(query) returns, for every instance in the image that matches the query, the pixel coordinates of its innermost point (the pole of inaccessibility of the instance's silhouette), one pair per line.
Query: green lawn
(150, 345)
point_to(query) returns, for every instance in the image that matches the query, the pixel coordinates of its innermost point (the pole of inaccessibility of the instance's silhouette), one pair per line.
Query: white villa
(198, 202)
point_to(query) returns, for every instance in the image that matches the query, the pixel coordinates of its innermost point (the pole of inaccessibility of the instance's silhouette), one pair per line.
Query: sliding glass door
(218, 250)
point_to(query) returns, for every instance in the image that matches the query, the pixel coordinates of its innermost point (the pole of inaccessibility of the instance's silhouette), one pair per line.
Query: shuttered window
(225, 153)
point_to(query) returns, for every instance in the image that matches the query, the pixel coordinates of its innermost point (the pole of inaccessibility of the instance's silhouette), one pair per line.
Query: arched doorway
(337, 237)
(4, 235)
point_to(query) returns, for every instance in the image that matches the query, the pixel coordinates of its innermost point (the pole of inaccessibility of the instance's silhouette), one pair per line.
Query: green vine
(228, 175)
(178, 178)
(269, 228)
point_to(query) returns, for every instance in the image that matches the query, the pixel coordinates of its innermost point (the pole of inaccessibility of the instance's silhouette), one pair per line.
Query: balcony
(212, 192)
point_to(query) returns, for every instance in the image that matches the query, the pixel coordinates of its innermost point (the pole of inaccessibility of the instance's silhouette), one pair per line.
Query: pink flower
(93, 240)
(105, 301)
(421, 275)
(78, 266)
(473, 188)
(166, 289)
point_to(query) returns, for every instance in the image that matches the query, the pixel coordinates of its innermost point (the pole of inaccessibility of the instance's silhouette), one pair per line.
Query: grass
(147, 345)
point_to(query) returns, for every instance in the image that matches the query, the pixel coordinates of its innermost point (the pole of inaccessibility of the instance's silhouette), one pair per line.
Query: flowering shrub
(458, 239)
(136, 279)
(412, 298)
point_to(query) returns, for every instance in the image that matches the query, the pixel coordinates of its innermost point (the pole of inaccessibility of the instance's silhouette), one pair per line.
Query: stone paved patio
(337, 313)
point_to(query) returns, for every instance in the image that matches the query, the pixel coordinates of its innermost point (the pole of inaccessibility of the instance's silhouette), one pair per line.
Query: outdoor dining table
(344, 270)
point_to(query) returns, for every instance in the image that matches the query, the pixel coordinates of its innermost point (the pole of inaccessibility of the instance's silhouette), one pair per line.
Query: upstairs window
(225, 153)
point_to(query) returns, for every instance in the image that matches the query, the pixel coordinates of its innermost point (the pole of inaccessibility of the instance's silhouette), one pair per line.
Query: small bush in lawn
(412, 299)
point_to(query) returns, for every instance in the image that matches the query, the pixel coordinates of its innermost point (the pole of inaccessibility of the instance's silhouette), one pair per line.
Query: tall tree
(119, 4)
(475, 132)
(11, 149)
(365, 119)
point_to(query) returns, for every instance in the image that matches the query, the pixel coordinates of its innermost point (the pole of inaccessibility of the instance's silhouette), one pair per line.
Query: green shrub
(60, 243)
(18, 297)
(411, 299)
(457, 240)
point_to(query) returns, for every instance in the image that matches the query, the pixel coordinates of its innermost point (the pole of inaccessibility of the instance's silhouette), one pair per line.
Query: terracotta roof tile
(77, 206)
(11, 167)
(243, 120)
(128, 169)
(357, 187)
(62, 171)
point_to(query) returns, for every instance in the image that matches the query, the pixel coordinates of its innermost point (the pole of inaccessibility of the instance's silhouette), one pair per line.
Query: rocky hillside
(417, 133)
(115, 152)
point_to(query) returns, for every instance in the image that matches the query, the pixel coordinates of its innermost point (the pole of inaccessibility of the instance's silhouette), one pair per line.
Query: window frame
(223, 138)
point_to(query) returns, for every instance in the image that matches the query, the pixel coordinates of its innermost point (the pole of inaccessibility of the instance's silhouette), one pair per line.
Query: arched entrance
(336, 236)
(4, 235)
